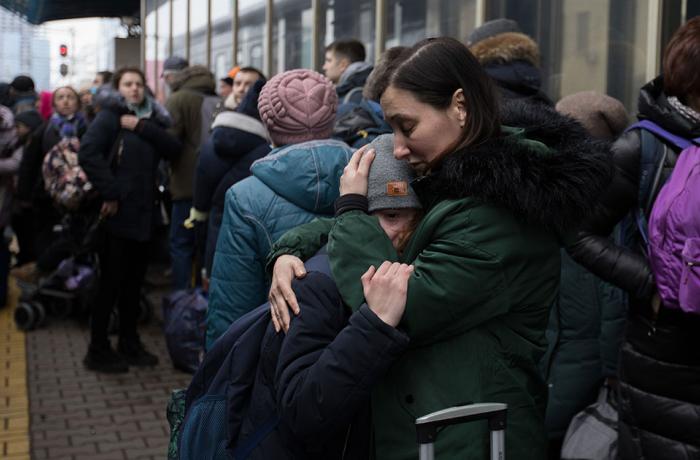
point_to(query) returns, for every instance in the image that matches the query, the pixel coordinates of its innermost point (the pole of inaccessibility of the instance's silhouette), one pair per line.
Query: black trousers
(123, 264)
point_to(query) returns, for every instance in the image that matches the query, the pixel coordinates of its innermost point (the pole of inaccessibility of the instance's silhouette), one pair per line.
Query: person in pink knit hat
(295, 183)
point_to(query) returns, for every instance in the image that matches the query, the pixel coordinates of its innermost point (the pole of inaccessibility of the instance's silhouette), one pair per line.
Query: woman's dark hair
(106, 76)
(69, 88)
(124, 70)
(434, 68)
(681, 58)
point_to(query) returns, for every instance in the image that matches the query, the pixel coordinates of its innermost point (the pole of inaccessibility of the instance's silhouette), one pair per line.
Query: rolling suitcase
(428, 426)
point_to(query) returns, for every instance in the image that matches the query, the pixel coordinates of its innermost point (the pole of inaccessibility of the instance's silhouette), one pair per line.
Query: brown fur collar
(506, 47)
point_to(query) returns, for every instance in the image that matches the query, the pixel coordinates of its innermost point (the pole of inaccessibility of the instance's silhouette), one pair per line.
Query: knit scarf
(69, 126)
(684, 110)
(144, 110)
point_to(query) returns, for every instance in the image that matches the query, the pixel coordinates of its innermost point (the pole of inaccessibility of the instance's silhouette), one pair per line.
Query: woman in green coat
(498, 201)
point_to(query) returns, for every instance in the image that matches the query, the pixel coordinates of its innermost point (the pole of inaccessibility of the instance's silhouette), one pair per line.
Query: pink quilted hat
(298, 106)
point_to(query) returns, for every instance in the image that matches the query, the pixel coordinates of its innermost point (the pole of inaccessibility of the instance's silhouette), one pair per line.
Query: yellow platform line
(14, 403)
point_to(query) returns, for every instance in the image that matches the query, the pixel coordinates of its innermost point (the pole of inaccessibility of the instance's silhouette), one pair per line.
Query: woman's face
(131, 87)
(422, 133)
(65, 102)
(396, 223)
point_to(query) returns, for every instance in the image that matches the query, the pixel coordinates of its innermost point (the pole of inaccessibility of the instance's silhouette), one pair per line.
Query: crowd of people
(413, 234)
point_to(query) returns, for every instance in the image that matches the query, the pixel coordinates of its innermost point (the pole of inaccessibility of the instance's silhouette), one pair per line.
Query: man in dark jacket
(345, 66)
(192, 87)
(238, 138)
(511, 58)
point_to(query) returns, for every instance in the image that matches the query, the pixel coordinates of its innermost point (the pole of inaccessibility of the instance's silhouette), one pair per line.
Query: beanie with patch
(389, 181)
(298, 106)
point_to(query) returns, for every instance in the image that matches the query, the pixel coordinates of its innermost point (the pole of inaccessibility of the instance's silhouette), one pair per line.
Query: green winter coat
(486, 258)
(185, 105)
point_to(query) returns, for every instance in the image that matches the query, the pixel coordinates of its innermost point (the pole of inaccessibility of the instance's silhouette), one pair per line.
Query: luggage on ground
(184, 326)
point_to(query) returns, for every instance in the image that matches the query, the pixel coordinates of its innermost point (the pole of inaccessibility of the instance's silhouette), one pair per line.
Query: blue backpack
(219, 396)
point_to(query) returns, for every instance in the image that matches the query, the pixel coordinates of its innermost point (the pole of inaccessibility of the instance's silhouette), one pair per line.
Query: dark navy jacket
(317, 379)
(236, 141)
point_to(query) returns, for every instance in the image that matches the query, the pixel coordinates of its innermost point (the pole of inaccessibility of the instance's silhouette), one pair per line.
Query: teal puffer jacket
(290, 186)
(585, 331)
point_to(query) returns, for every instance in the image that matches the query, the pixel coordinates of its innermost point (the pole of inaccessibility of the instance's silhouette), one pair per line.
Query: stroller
(73, 283)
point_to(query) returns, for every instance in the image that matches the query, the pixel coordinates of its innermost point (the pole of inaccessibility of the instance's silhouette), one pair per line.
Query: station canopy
(40, 11)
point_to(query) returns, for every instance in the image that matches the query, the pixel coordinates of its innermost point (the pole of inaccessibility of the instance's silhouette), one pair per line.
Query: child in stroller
(71, 276)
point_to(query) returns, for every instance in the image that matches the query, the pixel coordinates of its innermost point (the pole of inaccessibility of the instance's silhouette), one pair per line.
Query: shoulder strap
(652, 158)
(244, 449)
(115, 154)
(678, 141)
(350, 94)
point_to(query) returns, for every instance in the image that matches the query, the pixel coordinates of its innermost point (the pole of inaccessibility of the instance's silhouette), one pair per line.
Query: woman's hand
(386, 290)
(109, 208)
(354, 178)
(129, 122)
(282, 296)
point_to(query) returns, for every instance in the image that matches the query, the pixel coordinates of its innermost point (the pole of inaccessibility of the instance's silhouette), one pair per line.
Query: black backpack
(359, 126)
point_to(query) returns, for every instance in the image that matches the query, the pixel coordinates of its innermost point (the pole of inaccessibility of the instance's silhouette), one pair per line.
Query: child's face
(396, 223)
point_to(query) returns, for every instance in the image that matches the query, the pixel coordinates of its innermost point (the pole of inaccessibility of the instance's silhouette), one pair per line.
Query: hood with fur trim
(506, 47)
(545, 169)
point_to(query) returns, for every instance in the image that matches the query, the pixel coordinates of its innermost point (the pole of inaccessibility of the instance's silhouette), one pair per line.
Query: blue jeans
(181, 245)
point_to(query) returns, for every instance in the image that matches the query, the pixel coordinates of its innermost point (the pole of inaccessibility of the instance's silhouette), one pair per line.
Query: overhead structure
(40, 11)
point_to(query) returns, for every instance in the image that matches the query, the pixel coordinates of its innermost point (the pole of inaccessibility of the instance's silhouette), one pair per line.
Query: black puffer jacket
(131, 177)
(624, 267)
(660, 359)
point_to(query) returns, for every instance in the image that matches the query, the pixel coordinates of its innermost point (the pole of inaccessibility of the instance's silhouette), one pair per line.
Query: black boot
(135, 354)
(104, 359)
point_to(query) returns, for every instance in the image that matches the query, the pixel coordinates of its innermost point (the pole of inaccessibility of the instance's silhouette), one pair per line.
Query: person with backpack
(345, 66)
(191, 106)
(296, 182)
(660, 358)
(66, 123)
(305, 395)
(120, 154)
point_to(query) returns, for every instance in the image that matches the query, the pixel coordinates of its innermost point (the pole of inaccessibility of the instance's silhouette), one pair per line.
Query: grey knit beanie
(491, 29)
(389, 179)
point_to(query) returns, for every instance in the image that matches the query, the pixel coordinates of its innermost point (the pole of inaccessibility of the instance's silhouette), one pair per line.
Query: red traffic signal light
(63, 50)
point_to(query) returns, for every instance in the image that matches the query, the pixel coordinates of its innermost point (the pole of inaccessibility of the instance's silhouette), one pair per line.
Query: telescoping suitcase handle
(428, 426)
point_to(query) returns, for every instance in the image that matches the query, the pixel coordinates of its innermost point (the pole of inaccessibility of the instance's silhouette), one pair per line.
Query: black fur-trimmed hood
(552, 178)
